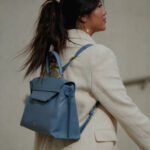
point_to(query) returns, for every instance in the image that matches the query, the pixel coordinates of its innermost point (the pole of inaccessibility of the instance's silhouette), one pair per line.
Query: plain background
(127, 34)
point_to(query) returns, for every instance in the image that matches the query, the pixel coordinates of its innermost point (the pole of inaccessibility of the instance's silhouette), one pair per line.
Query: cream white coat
(96, 74)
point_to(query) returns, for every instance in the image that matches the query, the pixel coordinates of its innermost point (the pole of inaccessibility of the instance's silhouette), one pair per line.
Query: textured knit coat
(96, 75)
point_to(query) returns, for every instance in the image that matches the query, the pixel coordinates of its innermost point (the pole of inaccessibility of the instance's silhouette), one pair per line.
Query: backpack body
(51, 107)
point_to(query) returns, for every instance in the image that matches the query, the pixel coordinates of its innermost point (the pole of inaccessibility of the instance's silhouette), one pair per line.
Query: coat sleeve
(108, 88)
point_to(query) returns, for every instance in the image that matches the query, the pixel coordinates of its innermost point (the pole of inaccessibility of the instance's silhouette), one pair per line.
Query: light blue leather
(51, 107)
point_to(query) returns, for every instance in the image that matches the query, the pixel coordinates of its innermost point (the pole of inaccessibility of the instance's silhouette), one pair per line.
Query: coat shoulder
(100, 53)
(100, 50)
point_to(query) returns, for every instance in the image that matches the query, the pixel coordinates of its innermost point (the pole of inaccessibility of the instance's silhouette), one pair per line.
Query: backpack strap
(88, 119)
(64, 67)
(77, 53)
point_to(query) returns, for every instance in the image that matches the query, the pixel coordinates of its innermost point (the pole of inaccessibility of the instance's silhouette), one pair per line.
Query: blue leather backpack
(51, 107)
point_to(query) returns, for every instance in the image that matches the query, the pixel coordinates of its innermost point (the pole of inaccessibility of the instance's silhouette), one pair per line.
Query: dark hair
(52, 24)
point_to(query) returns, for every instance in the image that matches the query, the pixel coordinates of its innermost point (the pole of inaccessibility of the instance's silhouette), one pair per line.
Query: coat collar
(80, 37)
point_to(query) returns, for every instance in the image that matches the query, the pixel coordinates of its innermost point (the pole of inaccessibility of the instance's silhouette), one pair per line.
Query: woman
(66, 26)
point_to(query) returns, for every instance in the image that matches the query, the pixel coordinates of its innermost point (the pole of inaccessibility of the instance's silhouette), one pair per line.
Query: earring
(87, 30)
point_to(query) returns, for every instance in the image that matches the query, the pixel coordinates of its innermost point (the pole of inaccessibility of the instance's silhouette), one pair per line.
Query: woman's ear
(83, 18)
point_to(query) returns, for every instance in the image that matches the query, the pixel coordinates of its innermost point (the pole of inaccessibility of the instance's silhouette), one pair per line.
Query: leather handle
(58, 62)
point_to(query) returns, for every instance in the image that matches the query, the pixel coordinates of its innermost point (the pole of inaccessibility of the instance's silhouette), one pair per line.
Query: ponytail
(52, 24)
(50, 31)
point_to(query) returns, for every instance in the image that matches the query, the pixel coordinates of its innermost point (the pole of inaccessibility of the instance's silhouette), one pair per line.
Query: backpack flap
(43, 96)
(43, 89)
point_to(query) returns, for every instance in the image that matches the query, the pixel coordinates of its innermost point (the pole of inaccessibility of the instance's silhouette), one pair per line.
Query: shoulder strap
(88, 119)
(77, 53)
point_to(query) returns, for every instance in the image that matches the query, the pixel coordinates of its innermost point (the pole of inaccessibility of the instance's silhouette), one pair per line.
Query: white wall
(16, 28)
(127, 34)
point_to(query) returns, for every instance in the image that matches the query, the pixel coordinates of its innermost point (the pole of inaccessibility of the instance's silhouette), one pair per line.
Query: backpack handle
(58, 62)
